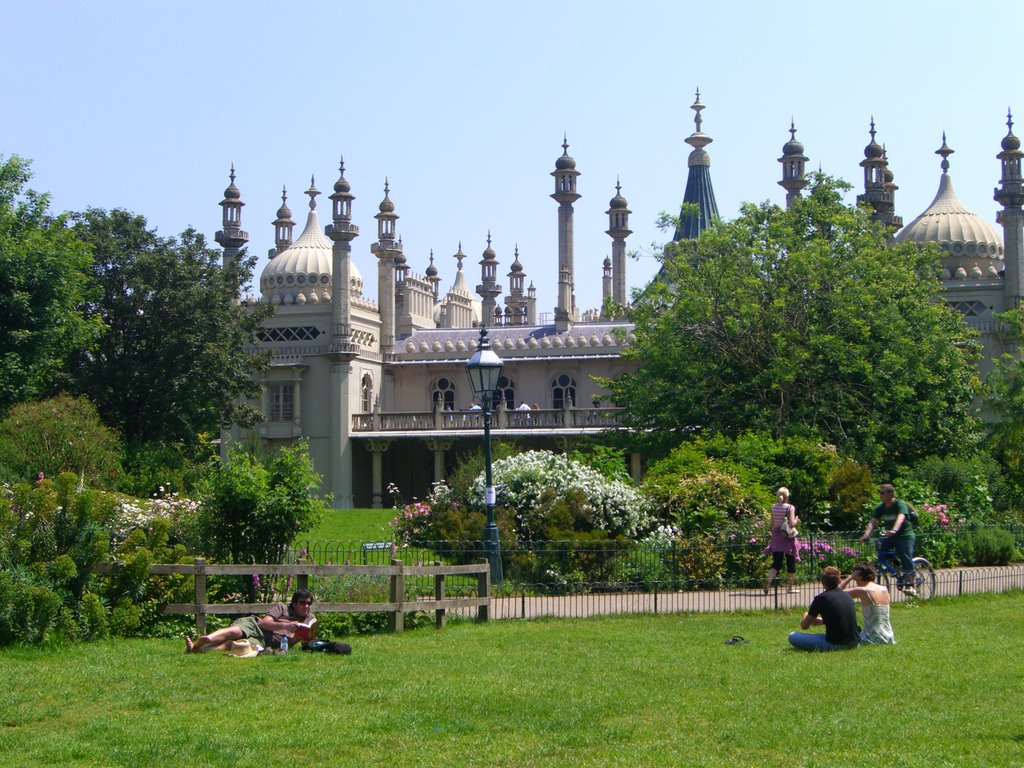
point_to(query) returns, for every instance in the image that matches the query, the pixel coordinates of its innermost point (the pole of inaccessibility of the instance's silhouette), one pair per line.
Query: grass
(619, 691)
(352, 525)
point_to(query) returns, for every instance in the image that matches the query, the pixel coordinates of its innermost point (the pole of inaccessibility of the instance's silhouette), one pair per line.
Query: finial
(431, 257)
(341, 165)
(618, 186)
(232, 173)
(312, 192)
(872, 131)
(459, 256)
(488, 238)
(565, 144)
(1009, 120)
(697, 107)
(386, 187)
(945, 152)
(284, 195)
(792, 129)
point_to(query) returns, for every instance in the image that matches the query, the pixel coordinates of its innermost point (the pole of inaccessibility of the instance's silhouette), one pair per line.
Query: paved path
(950, 582)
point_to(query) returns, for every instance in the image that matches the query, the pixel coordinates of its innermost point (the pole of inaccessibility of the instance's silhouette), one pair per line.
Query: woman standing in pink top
(783, 544)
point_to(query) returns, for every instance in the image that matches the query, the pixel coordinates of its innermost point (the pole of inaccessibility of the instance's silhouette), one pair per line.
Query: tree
(172, 361)
(1004, 400)
(43, 279)
(802, 322)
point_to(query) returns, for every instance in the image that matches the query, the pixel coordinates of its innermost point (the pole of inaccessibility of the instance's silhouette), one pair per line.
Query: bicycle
(888, 574)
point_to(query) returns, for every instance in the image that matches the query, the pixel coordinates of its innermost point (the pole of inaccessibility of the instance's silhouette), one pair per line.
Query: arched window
(506, 391)
(367, 393)
(443, 392)
(563, 391)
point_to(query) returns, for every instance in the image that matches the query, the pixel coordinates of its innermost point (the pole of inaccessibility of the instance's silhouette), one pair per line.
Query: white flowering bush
(549, 492)
(138, 514)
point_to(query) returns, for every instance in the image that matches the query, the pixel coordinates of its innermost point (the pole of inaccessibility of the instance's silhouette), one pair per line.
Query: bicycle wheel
(882, 577)
(924, 581)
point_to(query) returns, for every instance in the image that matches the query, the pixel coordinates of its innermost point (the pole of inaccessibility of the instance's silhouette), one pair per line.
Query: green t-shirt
(887, 516)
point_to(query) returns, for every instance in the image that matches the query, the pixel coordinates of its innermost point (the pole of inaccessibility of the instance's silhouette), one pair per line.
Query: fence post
(200, 593)
(483, 580)
(439, 614)
(397, 594)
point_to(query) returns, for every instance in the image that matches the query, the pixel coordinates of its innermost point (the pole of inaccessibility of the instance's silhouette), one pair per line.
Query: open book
(305, 632)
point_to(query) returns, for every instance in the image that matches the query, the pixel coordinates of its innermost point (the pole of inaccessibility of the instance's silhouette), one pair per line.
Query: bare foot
(189, 645)
(196, 646)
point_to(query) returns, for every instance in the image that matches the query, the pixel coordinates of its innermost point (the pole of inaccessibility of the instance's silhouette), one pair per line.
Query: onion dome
(874, 150)
(565, 163)
(607, 262)
(284, 212)
(386, 206)
(974, 248)
(342, 185)
(1010, 142)
(618, 202)
(302, 273)
(232, 192)
(431, 270)
(792, 148)
(517, 266)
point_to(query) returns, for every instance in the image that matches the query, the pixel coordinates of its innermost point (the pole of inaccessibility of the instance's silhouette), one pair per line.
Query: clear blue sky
(463, 105)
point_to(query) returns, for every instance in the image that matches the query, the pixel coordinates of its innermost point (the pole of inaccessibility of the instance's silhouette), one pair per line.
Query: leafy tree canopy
(172, 361)
(43, 278)
(802, 322)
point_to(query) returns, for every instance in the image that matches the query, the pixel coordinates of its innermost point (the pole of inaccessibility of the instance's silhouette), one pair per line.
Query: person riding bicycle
(892, 517)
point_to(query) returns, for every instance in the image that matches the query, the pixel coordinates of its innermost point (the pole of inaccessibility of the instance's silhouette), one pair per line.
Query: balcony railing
(534, 419)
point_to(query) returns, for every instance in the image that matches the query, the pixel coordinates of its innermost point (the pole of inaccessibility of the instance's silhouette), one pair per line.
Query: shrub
(987, 546)
(62, 434)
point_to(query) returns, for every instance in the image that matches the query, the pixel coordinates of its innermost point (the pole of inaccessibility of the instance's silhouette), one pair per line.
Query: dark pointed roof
(699, 190)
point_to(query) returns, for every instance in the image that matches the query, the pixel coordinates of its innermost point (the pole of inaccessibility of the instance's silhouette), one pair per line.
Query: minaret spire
(618, 230)
(489, 288)
(386, 249)
(232, 237)
(879, 191)
(283, 226)
(342, 232)
(565, 195)
(1010, 195)
(793, 162)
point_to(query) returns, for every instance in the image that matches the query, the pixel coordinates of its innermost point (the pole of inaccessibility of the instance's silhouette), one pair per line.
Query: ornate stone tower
(699, 191)
(516, 303)
(618, 230)
(231, 238)
(565, 195)
(1010, 195)
(489, 288)
(342, 232)
(433, 278)
(386, 249)
(879, 189)
(283, 226)
(793, 162)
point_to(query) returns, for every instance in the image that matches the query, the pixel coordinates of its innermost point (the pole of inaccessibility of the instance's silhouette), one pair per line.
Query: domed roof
(947, 220)
(302, 273)
(973, 246)
(618, 202)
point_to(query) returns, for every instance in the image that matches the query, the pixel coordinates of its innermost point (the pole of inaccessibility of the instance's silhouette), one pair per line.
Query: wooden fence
(397, 605)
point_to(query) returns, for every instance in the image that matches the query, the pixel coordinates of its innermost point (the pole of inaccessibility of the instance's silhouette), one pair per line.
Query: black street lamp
(484, 369)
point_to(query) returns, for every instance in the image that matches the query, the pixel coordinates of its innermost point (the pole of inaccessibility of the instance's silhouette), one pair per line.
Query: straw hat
(243, 649)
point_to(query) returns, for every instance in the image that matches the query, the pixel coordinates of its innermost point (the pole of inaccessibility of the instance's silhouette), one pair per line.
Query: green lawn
(621, 691)
(352, 525)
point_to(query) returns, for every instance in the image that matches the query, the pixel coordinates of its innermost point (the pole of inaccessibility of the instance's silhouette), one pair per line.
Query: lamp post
(484, 369)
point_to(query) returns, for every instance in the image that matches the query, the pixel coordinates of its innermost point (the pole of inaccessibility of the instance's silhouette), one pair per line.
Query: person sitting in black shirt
(834, 608)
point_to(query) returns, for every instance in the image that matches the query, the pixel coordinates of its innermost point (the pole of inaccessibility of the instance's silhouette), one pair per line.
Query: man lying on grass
(834, 608)
(282, 620)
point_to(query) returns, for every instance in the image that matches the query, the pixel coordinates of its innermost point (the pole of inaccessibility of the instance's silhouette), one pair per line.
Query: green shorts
(250, 627)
